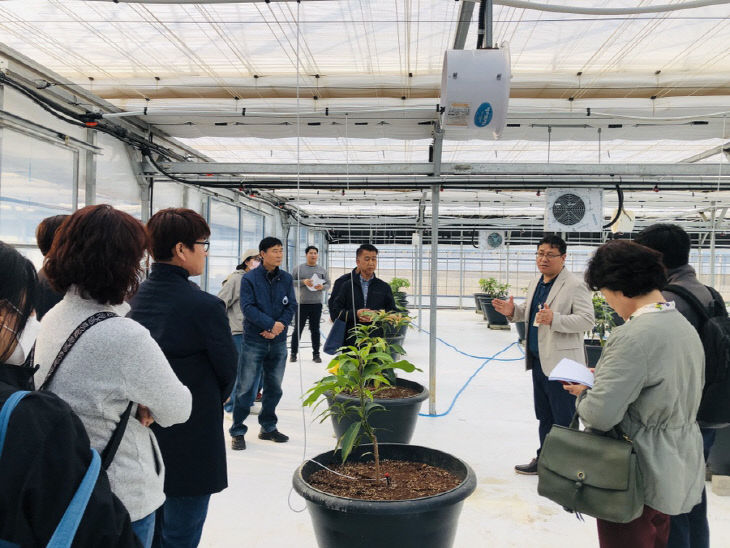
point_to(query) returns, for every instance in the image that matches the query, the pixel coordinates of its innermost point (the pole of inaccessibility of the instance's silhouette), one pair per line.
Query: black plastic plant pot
(396, 339)
(426, 522)
(593, 352)
(478, 303)
(493, 317)
(481, 299)
(394, 425)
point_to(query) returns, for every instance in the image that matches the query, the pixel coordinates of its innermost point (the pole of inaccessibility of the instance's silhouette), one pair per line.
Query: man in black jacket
(359, 292)
(690, 529)
(192, 330)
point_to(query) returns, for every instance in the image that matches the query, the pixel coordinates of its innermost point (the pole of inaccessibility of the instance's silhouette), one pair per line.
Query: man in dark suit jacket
(359, 292)
(192, 330)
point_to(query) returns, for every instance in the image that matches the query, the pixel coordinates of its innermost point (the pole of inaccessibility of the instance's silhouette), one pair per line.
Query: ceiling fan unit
(574, 210)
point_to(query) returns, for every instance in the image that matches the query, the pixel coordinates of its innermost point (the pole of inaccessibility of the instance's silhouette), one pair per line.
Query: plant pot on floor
(426, 522)
(495, 319)
(478, 303)
(593, 351)
(394, 425)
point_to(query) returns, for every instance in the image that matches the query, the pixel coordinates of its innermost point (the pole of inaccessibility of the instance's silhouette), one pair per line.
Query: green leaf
(348, 440)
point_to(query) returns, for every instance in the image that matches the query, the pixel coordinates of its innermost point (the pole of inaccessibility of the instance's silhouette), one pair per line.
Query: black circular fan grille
(494, 239)
(569, 209)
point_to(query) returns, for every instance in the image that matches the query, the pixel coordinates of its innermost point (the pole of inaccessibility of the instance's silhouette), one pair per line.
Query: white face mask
(26, 340)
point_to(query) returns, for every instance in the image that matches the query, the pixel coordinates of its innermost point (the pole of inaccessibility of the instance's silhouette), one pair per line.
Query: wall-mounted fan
(491, 239)
(574, 209)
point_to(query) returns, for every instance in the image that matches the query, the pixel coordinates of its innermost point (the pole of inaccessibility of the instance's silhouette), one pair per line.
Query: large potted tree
(492, 289)
(411, 498)
(606, 319)
(372, 352)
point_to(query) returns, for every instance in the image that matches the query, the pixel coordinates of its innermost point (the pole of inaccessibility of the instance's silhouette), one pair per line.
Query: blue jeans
(257, 358)
(179, 522)
(553, 404)
(691, 530)
(145, 529)
(228, 407)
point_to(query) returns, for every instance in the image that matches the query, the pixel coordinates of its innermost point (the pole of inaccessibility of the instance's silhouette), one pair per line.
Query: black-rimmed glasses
(205, 244)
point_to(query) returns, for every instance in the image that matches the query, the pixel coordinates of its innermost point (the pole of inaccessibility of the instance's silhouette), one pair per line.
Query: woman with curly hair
(95, 261)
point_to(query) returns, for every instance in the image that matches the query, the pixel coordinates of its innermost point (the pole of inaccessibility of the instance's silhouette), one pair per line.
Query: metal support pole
(90, 170)
(489, 23)
(461, 269)
(419, 266)
(435, 190)
(713, 220)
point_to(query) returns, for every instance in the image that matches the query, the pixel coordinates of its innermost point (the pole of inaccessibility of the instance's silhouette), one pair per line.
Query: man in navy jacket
(268, 304)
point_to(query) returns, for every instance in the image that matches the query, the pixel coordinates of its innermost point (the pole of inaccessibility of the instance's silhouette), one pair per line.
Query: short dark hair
(366, 247)
(553, 240)
(669, 240)
(45, 231)
(269, 242)
(623, 265)
(311, 247)
(98, 249)
(18, 289)
(169, 226)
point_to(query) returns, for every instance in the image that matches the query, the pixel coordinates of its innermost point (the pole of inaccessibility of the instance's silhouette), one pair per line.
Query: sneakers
(292, 357)
(317, 359)
(526, 469)
(238, 443)
(274, 436)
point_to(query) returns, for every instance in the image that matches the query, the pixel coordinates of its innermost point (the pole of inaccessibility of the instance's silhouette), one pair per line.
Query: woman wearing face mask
(95, 261)
(230, 293)
(46, 452)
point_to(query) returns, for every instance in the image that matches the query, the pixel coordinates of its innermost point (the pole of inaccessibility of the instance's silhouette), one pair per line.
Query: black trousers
(311, 313)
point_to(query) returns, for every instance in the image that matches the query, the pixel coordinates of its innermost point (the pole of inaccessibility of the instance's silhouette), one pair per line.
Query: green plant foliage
(360, 371)
(604, 319)
(399, 296)
(493, 288)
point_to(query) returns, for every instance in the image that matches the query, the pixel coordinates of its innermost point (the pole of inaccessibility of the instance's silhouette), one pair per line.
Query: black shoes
(292, 357)
(274, 436)
(238, 443)
(317, 359)
(526, 469)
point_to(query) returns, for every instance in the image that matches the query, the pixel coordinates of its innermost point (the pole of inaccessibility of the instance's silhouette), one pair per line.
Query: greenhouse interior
(457, 137)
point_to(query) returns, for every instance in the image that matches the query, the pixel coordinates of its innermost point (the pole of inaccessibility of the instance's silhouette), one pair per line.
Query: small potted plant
(396, 284)
(606, 319)
(355, 498)
(492, 289)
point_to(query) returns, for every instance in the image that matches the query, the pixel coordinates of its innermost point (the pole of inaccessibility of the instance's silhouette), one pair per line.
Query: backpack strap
(5, 413)
(719, 302)
(693, 301)
(107, 455)
(65, 532)
(71, 341)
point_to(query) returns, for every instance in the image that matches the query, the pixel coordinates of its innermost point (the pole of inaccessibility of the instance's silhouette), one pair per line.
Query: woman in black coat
(192, 329)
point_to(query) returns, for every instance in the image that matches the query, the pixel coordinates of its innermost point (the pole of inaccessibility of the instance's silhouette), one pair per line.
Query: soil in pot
(392, 392)
(405, 480)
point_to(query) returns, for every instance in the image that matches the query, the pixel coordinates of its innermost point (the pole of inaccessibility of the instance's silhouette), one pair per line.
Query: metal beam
(707, 154)
(462, 27)
(435, 191)
(470, 169)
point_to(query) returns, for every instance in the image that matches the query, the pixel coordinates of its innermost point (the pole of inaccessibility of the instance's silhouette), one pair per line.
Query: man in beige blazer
(557, 312)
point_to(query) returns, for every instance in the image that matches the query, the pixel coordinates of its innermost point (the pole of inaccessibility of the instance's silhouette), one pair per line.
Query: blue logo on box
(483, 115)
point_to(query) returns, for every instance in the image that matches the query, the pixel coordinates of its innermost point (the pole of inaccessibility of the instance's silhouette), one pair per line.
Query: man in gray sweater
(310, 281)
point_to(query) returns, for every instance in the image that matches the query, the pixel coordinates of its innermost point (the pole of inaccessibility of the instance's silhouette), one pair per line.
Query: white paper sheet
(572, 371)
(316, 280)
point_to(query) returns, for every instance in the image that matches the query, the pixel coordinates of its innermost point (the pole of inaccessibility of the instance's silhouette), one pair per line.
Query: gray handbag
(591, 473)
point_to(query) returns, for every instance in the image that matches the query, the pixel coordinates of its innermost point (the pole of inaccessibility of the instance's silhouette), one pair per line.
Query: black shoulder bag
(107, 455)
